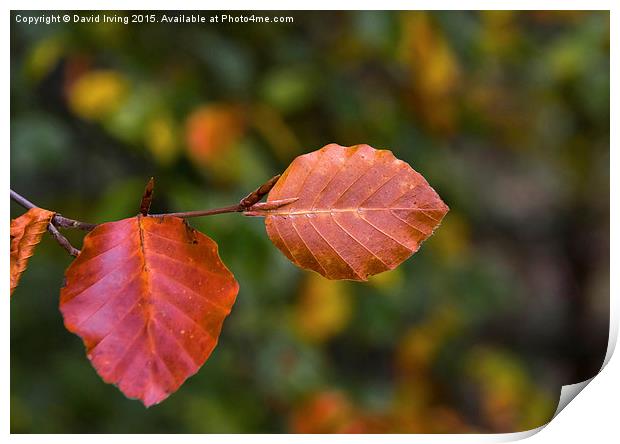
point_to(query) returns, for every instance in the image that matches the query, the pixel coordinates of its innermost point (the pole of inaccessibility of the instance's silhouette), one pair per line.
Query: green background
(507, 116)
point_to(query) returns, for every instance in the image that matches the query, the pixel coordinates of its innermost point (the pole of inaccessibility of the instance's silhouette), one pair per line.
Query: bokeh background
(507, 116)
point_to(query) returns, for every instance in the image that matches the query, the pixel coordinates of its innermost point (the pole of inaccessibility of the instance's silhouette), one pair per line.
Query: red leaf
(359, 211)
(148, 296)
(26, 232)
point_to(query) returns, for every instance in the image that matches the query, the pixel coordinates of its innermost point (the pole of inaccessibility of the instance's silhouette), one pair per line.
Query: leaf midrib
(342, 210)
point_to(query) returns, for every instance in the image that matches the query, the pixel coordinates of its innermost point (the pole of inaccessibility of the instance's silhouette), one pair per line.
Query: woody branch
(249, 205)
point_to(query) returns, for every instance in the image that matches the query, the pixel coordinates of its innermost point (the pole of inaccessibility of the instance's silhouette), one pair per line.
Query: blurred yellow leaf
(538, 410)
(499, 31)
(419, 346)
(161, 139)
(506, 390)
(43, 57)
(272, 126)
(323, 309)
(97, 93)
(113, 34)
(566, 60)
(211, 130)
(435, 73)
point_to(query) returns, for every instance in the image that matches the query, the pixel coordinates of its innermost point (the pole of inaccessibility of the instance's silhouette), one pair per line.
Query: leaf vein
(197, 269)
(353, 183)
(330, 181)
(308, 248)
(408, 223)
(174, 279)
(105, 276)
(107, 301)
(86, 261)
(384, 233)
(356, 240)
(192, 320)
(275, 226)
(380, 187)
(176, 339)
(335, 251)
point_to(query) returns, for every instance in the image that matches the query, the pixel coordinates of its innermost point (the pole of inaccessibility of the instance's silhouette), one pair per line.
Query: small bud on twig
(147, 197)
(259, 193)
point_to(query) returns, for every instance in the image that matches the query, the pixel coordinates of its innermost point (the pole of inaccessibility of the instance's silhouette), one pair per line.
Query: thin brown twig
(243, 206)
(22, 200)
(198, 213)
(249, 206)
(58, 220)
(64, 222)
(63, 241)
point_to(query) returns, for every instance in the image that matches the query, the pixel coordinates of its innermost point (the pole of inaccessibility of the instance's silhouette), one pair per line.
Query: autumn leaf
(323, 309)
(333, 412)
(211, 130)
(26, 232)
(435, 73)
(96, 94)
(43, 57)
(324, 412)
(359, 211)
(148, 297)
(160, 137)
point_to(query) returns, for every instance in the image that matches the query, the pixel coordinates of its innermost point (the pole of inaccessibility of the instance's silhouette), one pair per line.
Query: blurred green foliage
(507, 116)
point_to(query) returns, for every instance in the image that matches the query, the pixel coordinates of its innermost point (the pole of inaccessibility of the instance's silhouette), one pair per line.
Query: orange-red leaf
(211, 130)
(359, 211)
(148, 297)
(26, 233)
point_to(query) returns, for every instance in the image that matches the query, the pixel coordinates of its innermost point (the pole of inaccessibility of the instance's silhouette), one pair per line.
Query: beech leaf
(359, 211)
(26, 232)
(148, 296)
